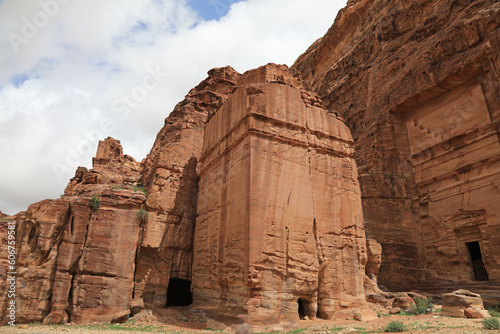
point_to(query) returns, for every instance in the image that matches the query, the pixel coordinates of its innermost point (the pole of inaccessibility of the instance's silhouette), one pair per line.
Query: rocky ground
(184, 321)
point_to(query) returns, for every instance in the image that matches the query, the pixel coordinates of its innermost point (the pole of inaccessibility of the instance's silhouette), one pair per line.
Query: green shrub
(395, 326)
(139, 188)
(422, 306)
(142, 215)
(95, 203)
(495, 311)
(491, 323)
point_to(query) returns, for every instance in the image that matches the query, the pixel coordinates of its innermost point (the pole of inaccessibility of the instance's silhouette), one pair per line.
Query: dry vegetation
(184, 321)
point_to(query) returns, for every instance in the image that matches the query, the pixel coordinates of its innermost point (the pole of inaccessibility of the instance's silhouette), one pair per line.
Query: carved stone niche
(449, 151)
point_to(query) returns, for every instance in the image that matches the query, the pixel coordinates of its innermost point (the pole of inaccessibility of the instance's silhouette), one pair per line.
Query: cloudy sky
(76, 71)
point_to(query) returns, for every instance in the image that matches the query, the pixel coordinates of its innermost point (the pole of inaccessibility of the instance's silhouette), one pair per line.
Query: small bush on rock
(140, 188)
(395, 326)
(95, 203)
(142, 215)
(491, 323)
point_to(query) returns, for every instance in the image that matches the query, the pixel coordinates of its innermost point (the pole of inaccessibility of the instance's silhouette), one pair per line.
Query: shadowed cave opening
(480, 273)
(179, 292)
(303, 308)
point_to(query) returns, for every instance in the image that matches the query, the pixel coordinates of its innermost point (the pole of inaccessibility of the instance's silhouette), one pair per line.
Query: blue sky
(76, 72)
(212, 9)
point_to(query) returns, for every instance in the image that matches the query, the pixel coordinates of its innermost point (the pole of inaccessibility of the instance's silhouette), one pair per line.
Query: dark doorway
(303, 308)
(179, 292)
(480, 273)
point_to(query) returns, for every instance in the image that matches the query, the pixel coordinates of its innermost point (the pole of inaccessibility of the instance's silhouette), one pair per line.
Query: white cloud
(88, 54)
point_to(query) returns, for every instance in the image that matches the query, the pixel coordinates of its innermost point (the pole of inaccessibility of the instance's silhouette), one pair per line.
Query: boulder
(455, 304)
(476, 314)
(366, 315)
(403, 302)
(395, 310)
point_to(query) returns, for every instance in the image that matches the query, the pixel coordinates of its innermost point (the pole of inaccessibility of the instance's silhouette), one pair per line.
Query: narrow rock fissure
(72, 225)
(317, 240)
(69, 307)
(137, 255)
(287, 255)
(59, 240)
(74, 272)
(319, 248)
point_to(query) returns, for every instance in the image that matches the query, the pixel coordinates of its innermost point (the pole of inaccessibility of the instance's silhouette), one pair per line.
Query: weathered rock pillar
(280, 226)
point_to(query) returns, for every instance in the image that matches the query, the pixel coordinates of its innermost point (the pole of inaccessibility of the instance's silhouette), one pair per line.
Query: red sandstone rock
(395, 310)
(80, 265)
(365, 315)
(416, 295)
(403, 302)
(417, 82)
(475, 313)
(374, 259)
(455, 304)
(74, 263)
(384, 299)
(267, 243)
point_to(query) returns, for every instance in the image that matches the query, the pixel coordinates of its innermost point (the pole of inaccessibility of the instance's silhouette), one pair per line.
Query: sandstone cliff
(106, 247)
(261, 209)
(272, 231)
(280, 223)
(417, 82)
(76, 262)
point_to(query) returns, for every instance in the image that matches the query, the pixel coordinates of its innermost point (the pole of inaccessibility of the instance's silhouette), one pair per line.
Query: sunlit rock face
(279, 206)
(417, 83)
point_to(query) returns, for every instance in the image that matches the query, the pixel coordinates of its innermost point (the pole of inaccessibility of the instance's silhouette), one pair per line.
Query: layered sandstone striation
(417, 82)
(280, 228)
(463, 304)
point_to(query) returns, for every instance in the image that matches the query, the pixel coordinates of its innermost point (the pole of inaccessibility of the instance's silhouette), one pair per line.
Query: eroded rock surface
(75, 263)
(463, 304)
(417, 82)
(280, 225)
(280, 229)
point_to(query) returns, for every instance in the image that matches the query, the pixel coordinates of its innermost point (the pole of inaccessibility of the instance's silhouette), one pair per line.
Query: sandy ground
(184, 321)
